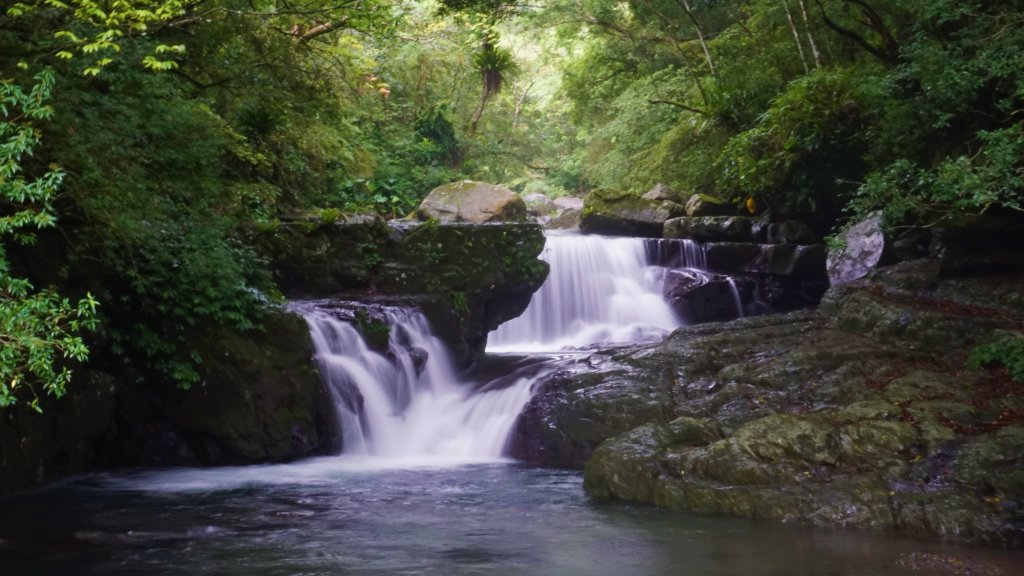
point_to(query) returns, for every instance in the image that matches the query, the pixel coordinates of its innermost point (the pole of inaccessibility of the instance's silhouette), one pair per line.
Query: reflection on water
(350, 516)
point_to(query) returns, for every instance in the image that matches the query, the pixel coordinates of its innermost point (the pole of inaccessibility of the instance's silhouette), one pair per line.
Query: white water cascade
(600, 289)
(409, 405)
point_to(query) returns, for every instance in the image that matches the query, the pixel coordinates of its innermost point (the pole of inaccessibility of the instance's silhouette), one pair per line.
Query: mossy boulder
(472, 202)
(616, 213)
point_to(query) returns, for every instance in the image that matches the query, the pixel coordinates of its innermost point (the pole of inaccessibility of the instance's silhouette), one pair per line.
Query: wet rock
(988, 243)
(577, 409)
(791, 232)
(804, 261)
(711, 228)
(473, 202)
(622, 214)
(260, 398)
(802, 417)
(698, 297)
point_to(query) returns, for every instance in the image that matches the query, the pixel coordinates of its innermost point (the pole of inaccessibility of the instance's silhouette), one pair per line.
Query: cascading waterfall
(599, 289)
(409, 404)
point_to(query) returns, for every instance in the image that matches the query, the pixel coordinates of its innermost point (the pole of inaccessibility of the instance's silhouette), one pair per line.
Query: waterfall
(409, 404)
(600, 289)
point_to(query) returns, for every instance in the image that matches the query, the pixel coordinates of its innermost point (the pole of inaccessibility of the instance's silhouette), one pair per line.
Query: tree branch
(679, 105)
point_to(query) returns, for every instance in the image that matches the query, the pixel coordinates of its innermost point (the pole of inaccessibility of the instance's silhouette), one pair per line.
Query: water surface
(352, 516)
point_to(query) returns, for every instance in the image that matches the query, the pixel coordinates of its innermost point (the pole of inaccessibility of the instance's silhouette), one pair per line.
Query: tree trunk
(796, 36)
(700, 34)
(810, 37)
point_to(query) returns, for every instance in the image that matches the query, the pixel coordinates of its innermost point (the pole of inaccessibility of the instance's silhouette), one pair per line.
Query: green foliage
(39, 331)
(915, 108)
(1007, 351)
(98, 30)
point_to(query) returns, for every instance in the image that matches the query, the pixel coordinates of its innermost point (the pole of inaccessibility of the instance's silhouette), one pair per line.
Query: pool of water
(362, 517)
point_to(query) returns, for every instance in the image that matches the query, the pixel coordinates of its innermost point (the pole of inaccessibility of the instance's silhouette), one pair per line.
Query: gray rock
(568, 203)
(539, 205)
(661, 192)
(473, 202)
(863, 248)
(705, 205)
(567, 220)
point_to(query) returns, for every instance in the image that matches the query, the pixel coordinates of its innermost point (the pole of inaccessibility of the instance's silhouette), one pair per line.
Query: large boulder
(473, 202)
(623, 214)
(259, 399)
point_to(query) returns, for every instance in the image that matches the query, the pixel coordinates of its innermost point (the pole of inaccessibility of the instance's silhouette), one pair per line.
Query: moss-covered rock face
(621, 214)
(260, 400)
(809, 416)
(467, 278)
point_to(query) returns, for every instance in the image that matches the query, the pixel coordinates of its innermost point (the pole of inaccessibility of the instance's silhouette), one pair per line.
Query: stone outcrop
(473, 202)
(860, 414)
(622, 214)
(467, 278)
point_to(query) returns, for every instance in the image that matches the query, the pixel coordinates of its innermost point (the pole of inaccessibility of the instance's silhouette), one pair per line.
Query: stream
(422, 486)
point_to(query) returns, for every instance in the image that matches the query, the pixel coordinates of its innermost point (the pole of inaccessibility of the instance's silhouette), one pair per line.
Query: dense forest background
(146, 144)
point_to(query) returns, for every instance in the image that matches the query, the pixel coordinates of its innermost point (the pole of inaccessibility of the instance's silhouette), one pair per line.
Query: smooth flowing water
(599, 290)
(407, 403)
